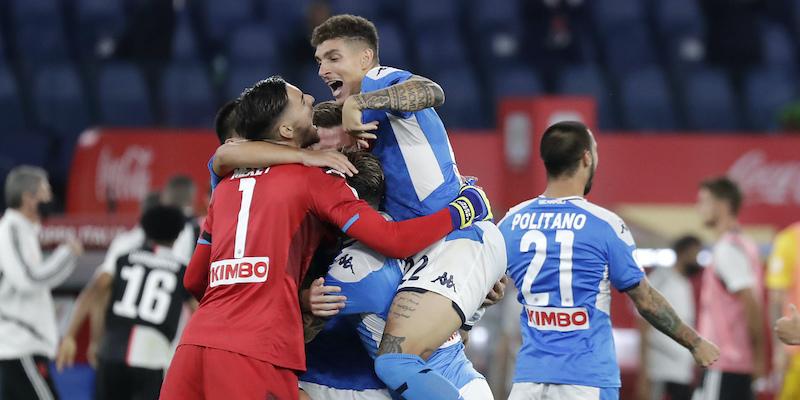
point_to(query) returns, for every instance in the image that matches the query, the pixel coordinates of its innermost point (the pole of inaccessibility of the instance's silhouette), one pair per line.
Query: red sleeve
(334, 201)
(195, 280)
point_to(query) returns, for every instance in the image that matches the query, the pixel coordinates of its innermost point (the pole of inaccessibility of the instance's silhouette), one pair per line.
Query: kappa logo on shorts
(446, 281)
(346, 262)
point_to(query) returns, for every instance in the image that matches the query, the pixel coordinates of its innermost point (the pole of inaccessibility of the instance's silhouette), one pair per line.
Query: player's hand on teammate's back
(706, 353)
(351, 122)
(497, 293)
(330, 159)
(66, 353)
(320, 300)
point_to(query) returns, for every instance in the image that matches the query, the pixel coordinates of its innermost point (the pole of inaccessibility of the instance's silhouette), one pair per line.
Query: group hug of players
(363, 277)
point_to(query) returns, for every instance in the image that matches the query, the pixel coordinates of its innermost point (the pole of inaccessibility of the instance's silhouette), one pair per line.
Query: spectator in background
(554, 32)
(666, 368)
(27, 315)
(180, 191)
(783, 281)
(730, 304)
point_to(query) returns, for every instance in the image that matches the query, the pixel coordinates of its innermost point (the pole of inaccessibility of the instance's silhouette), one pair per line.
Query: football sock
(411, 378)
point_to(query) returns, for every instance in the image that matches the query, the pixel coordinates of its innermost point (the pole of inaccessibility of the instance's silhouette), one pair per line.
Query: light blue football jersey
(563, 255)
(369, 280)
(415, 153)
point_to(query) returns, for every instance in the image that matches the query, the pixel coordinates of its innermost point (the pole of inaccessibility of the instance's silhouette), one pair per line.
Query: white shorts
(319, 392)
(459, 267)
(552, 391)
(476, 389)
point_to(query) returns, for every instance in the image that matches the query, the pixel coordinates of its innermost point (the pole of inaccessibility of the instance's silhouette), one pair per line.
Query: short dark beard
(588, 187)
(310, 138)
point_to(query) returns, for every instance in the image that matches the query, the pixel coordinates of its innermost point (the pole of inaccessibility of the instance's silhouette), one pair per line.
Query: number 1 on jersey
(246, 186)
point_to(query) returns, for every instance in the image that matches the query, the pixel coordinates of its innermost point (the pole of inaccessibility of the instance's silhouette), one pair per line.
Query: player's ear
(366, 58)
(286, 131)
(587, 158)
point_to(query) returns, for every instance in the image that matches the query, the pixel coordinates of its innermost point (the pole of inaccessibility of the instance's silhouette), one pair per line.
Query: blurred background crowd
(66, 65)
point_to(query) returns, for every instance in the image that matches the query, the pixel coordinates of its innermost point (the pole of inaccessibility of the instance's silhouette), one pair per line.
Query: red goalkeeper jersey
(260, 234)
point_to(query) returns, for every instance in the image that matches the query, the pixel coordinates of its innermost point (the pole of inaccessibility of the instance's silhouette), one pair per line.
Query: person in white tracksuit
(27, 316)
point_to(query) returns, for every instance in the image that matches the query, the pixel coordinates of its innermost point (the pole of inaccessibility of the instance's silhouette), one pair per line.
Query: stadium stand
(766, 92)
(187, 96)
(646, 101)
(11, 113)
(462, 109)
(252, 45)
(588, 80)
(122, 96)
(709, 102)
(516, 80)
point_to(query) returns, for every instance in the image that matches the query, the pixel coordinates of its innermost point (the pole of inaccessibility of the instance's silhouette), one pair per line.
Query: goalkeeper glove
(471, 205)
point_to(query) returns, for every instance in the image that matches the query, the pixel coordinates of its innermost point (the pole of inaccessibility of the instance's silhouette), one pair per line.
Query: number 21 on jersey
(536, 242)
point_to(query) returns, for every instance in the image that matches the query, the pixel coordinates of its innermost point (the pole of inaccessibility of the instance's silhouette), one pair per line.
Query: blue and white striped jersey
(563, 255)
(417, 159)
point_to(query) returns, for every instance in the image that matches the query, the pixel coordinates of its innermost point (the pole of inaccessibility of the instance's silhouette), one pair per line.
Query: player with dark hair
(564, 254)
(236, 152)
(731, 312)
(245, 339)
(146, 298)
(444, 287)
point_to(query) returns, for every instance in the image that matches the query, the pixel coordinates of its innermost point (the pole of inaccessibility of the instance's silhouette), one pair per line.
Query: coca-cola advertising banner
(668, 167)
(113, 169)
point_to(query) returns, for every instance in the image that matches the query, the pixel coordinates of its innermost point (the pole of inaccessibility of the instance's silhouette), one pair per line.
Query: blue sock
(411, 378)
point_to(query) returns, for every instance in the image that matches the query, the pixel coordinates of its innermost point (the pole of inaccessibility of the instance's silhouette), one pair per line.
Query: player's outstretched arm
(258, 154)
(95, 291)
(415, 94)
(659, 313)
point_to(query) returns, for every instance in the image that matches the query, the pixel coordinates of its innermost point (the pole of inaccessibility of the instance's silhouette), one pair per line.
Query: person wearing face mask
(27, 315)
(666, 366)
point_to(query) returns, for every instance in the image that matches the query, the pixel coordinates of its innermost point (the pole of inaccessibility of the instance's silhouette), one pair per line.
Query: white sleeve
(733, 267)
(24, 270)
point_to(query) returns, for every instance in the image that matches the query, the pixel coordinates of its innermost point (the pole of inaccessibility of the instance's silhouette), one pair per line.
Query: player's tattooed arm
(312, 325)
(391, 344)
(415, 94)
(659, 313)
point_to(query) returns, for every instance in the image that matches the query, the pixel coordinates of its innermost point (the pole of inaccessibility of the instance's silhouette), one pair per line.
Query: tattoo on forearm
(391, 344)
(409, 96)
(659, 313)
(312, 325)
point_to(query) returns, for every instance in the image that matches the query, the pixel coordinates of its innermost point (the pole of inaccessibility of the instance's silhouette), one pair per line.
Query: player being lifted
(564, 254)
(443, 287)
(369, 281)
